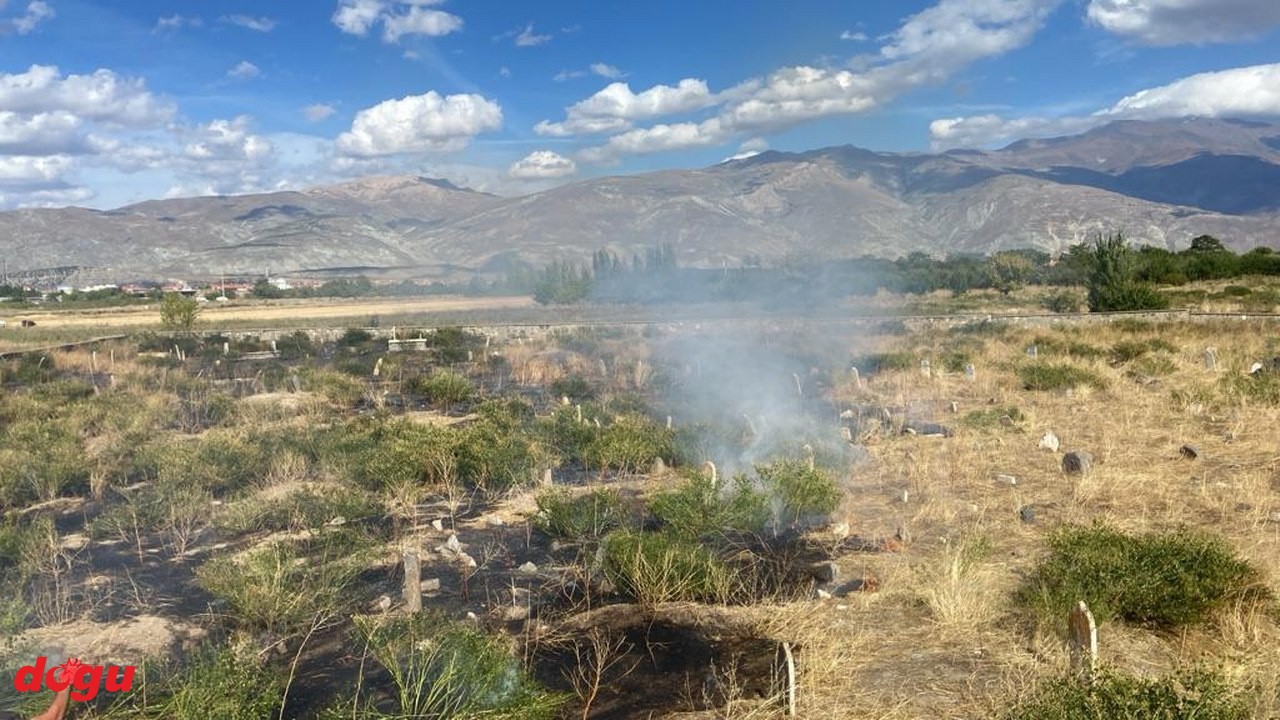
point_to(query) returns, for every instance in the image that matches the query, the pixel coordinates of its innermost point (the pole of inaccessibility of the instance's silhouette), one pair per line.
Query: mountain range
(1161, 183)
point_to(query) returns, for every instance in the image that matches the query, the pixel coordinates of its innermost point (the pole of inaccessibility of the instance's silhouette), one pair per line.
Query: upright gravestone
(1033, 352)
(970, 372)
(412, 582)
(924, 367)
(857, 380)
(1083, 641)
(1211, 359)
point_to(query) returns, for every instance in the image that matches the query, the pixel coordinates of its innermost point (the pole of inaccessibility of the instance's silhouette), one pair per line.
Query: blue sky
(108, 102)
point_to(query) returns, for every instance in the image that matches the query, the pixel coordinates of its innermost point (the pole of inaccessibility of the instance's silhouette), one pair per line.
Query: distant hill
(1160, 182)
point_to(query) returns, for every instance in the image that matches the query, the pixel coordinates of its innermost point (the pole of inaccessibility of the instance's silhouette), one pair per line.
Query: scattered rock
(928, 429)
(823, 594)
(1007, 479)
(547, 477)
(528, 568)
(1049, 442)
(437, 525)
(1006, 421)
(452, 546)
(467, 560)
(954, 407)
(1027, 514)
(383, 603)
(658, 467)
(336, 522)
(1189, 452)
(1275, 517)
(1077, 462)
(495, 521)
(825, 572)
(430, 585)
(840, 530)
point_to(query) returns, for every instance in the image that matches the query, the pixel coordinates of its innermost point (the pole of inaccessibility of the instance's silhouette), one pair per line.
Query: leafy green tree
(1112, 281)
(1008, 271)
(179, 312)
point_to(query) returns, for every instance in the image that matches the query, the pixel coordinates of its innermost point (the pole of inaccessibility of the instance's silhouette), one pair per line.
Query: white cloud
(615, 107)
(419, 21)
(1175, 22)
(607, 71)
(926, 49)
(420, 123)
(564, 75)
(1247, 91)
(318, 112)
(529, 38)
(18, 171)
(37, 12)
(398, 17)
(748, 149)
(102, 96)
(504, 71)
(244, 70)
(259, 24)
(355, 17)
(227, 140)
(177, 22)
(541, 165)
(43, 133)
(853, 36)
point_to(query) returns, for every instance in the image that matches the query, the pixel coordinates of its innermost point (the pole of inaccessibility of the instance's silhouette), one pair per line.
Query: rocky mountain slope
(1160, 182)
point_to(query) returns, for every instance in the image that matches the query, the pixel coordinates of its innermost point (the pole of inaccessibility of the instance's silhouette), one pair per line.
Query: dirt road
(268, 312)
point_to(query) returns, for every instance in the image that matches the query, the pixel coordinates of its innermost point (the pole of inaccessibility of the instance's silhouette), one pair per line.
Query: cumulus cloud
(42, 133)
(227, 140)
(102, 96)
(541, 165)
(615, 107)
(926, 49)
(258, 24)
(244, 70)
(318, 112)
(1176, 22)
(1247, 91)
(420, 123)
(36, 12)
(19, 171)
(398, 17)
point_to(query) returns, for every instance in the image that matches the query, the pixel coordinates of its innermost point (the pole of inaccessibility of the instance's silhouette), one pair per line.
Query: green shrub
(1062, 301)
(1190, 695)
(1262, 387)
(336, 386)
(955, 361)
(880, 362)
(1048, 345)
(493, 458)
(574, 387)
(1166, 580)
(355, 338)
(654, 568)
(1050, 376)
(804, 491)
(281, 586)
(587, 516)
(449, 671)
(443, 388)
(1236, 291)
(302, 509)
(630, 444)
(991, 417)
(212, 683)
(700, 508)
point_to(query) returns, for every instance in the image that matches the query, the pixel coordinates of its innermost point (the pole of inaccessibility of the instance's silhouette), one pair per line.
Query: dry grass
(940, 640)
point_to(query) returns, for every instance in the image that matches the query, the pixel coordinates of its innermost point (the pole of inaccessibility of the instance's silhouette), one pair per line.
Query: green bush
(493, 457)
(804, 492)
(1262, 387)
(630, 444)
(1191, 695)
(574, 387)
(300, 510)
(336, 386)
(443, 388)
(213, 683)
(991, 417)
(587, 516)
(700, 508)
(653, 568)
(281, 586)
(1062, 301)
(1166, 580)
(1050, 376)
(880, 362)
(448, 671)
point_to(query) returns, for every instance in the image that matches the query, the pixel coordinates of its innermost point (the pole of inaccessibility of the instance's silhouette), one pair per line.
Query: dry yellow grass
(940, 640)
